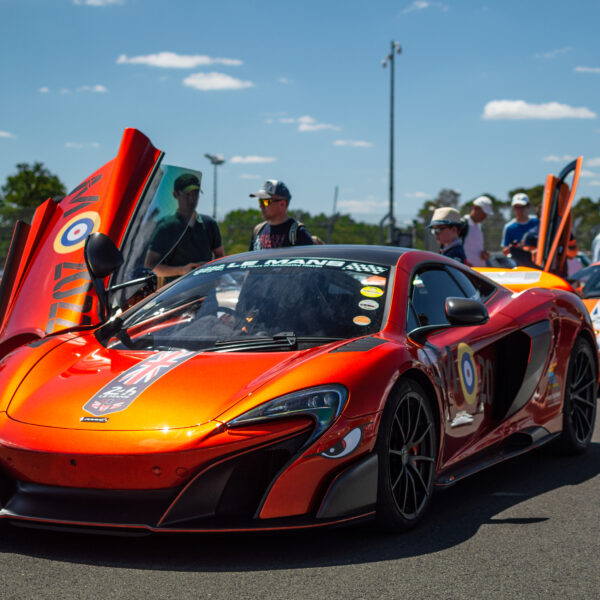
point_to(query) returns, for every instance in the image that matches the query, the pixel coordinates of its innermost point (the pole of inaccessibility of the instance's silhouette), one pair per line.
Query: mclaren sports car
(287, 388)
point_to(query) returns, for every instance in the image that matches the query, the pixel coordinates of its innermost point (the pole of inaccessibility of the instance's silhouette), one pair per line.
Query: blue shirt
(514, 232)
(455, 250)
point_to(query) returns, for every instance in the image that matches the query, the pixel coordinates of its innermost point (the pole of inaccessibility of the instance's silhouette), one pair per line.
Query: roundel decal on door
(73, 234)
(467, 372)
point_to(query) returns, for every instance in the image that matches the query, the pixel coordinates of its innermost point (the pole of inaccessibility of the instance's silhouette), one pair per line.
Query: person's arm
(219, 252)
(151, 262)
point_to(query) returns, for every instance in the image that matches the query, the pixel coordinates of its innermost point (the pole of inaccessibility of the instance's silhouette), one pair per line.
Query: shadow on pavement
(455, 515)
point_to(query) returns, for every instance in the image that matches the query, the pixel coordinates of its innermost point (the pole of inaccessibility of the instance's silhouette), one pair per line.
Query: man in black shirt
(279, 229)
(186, 239)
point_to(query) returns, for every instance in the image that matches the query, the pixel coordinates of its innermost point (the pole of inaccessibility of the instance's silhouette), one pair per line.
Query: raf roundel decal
(73, 234)
(467, 372)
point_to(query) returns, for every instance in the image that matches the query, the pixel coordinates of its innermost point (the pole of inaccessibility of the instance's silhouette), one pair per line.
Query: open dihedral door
(556, 220)
(45, 285)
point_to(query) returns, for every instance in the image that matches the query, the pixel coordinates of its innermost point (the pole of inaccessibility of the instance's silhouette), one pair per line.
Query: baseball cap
(485, 204)
(520, 199)
(186, 183)
(271, 188)
(445, 215)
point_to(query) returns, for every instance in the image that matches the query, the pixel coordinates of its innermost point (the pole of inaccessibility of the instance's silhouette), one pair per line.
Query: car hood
(82, 385)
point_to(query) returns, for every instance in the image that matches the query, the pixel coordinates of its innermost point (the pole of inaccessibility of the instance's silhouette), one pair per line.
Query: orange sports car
(288, 388)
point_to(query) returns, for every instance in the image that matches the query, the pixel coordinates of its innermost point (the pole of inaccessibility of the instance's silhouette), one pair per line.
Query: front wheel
(407, 456)
(579, 409)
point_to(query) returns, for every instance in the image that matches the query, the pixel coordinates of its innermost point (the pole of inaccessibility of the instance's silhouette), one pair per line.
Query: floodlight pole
(216, 160)
(395, 48)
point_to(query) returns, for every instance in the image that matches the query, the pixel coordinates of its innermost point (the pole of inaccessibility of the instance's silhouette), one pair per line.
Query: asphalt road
(529, 528)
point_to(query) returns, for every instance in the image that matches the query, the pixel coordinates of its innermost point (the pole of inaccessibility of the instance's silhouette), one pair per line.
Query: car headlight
(323, 403)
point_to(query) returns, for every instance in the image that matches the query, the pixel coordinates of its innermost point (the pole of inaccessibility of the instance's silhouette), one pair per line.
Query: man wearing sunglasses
(446, 225)
(278, 229)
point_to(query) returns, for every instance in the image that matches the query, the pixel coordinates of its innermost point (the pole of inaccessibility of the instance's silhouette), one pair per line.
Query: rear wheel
(579, 410)
(407, 456)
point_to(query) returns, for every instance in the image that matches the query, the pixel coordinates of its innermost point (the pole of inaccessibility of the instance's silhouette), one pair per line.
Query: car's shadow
(455, 515)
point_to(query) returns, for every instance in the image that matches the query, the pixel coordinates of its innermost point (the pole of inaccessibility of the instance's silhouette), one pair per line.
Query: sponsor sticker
(371, 291)
(72, 235)
(368, 304)
(361, 320)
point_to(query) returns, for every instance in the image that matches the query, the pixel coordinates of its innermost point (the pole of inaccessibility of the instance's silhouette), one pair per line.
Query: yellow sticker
(72, 235)
(371, 291)
(467, 372)
(361, 320)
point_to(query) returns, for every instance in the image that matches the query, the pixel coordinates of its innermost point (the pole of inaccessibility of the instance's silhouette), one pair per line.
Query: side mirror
(465, 311)
(102, 258)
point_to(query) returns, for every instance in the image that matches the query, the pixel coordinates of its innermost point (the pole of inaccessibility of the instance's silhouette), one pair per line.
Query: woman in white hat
(446, 224)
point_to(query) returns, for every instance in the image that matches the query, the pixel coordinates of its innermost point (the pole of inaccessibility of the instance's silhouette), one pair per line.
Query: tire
(407, 457)
(579, 408)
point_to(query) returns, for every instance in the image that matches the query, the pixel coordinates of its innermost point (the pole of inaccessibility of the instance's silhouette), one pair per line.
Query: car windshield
(586, 282)
(260, 304)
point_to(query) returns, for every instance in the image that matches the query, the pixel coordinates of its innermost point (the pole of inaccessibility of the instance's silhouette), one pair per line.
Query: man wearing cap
(186, 239)
(278, 229)
(515, 230)
(473, 241)
(446, 224)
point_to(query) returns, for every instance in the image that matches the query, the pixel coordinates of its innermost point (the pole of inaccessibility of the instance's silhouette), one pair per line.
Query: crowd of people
(188, 239)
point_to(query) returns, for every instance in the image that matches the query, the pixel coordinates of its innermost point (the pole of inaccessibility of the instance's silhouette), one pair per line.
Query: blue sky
(489, 95)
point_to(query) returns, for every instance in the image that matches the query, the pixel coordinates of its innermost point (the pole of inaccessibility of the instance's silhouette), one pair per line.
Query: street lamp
(395, 48)
(216, 160)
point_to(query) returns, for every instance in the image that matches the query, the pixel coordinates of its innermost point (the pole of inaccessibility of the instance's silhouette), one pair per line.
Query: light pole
(395, 48)
(216, 160)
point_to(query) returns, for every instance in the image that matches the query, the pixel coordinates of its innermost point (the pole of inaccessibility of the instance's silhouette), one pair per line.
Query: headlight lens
(323, 403)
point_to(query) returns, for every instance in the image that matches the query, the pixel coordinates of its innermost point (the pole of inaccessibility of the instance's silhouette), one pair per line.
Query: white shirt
(596, 249)
(473, 243)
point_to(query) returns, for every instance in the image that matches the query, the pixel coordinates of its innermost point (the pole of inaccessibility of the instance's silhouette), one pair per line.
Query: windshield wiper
(285, 340)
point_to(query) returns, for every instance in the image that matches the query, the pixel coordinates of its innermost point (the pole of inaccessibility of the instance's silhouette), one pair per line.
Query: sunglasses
(267, 201)
(435, 230)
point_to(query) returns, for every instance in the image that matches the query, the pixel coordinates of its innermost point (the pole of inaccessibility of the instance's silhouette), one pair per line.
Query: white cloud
(422, 5)
(80, 145)
(7, 134)
(367, 206)
(248, 176)
(244, 160)
(95, 89)
(97, 2)
(65, 91)
(215, 81)
(307, 123)
(417, 195)
(171, 60)
(519, 109)
(595, 182)
(587, 69)
(585, 173)
(554, 53)
(283, 80)
(287, 120)
(563, 158)
(353, 143)
(592, 162)
(44, 90)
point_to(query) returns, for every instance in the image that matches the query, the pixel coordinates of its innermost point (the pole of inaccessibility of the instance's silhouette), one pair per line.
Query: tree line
(32, 184)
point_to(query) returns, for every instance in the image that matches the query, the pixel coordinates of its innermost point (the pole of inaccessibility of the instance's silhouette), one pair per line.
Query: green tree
(22, 193)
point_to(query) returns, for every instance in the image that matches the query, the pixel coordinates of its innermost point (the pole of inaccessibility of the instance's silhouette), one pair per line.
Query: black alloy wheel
(407, 456)
(579, 410)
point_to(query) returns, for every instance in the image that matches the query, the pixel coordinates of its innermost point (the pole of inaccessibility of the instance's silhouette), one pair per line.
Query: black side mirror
(465, 311)
(102, 258)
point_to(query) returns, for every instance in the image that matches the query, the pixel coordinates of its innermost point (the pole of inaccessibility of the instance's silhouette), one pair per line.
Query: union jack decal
(119, 394)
